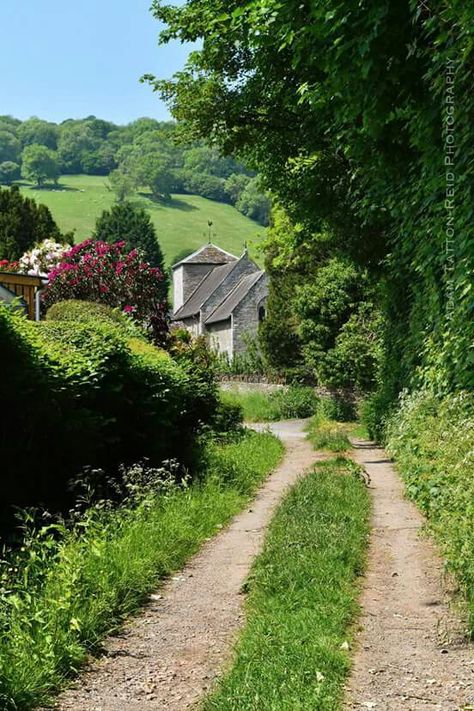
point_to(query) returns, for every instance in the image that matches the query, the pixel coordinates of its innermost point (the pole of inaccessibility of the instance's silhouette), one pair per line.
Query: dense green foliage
(77, 311)
(349, 112)
(89, 394)
(287, 403)
(303, 598)
(143, 154)
(72, 584)
(23, 223)
(432, 443)
(39, 164)
(133, 225)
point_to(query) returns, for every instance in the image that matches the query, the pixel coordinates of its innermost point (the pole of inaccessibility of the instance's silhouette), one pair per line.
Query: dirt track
(411, 652)
(167, 657)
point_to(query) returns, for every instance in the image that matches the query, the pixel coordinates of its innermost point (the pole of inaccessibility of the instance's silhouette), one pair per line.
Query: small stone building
(220, 295)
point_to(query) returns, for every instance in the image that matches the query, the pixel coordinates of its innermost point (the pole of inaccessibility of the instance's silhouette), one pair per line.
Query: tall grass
(303, 589)
(432, 441)
(70, 586)
(288, 403)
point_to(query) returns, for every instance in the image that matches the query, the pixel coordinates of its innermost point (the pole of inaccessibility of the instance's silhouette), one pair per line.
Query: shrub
(89, 395)
(96, 271)
(130, 224)
(294, 402)
(229, 417)
(84, 311)
(42, 259)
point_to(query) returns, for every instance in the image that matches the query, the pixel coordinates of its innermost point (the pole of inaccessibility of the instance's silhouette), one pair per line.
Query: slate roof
(204, 290)
(209, 254)
(239, 292)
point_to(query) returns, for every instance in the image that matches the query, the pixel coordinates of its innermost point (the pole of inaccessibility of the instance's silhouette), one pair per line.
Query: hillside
(182, 224)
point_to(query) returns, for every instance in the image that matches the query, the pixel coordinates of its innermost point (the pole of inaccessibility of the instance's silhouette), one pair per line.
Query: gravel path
(166, 657)
(411, 653)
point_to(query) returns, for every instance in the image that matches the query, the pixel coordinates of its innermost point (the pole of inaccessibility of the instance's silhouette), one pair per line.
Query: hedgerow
(85, 393)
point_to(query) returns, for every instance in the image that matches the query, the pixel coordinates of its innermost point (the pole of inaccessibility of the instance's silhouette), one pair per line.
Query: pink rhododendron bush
(108, 274)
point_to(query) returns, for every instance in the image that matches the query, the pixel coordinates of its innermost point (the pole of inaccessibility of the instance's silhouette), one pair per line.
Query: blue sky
(66, 59)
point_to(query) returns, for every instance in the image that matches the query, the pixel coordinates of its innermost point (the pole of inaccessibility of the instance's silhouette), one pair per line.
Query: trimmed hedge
(76, 310)
(78, 393)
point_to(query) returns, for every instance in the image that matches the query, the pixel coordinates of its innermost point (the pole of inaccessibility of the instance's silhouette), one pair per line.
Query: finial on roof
(246, 247)
(209, 224)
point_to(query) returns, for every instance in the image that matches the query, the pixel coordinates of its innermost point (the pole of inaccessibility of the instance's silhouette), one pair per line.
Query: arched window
(261, 313)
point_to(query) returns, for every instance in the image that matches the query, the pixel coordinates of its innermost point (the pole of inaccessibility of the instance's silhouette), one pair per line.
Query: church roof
(209, 254)
(238, 293)
(204, 290)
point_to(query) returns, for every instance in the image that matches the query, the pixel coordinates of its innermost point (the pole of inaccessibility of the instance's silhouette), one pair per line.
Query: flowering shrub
(106, 273)
(41, 260)
(6, 266)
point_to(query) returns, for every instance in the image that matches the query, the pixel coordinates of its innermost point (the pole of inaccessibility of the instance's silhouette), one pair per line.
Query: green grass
(180, 225)
(285, 404)
(303, 599)
(432, 442)
(70, 588)
(328, 435)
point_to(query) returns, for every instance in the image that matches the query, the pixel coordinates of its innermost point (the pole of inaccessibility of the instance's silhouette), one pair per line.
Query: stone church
(221, 296)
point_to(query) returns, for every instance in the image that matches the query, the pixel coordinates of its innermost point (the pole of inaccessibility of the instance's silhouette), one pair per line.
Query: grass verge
(69, 587)
(293, 402)
(303, 598)
(432, 442)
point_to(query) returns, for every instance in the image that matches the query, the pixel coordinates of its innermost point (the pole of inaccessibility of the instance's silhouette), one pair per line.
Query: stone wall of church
(246, 315)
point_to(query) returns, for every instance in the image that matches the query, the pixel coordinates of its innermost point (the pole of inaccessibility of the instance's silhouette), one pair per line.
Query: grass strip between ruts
(303, 589)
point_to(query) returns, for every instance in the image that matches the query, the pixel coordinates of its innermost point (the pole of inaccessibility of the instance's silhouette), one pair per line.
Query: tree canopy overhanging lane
(347, 112)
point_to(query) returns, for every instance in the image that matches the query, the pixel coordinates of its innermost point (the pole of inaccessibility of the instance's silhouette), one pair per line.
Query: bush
(96, 271)
(89, 395)
(85, 311)
(432, 442)
(228, 418)
(132, 225)
(294, 402)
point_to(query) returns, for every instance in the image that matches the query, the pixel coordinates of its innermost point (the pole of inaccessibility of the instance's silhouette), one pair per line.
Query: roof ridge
(257, 274)
(201, 249)
(228, 268)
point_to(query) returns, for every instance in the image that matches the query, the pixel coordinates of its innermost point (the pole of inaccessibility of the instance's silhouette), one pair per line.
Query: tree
(9, 147)
(122, 184)
(9, 171)
(235, 186)
(37, 131)
(23, 223)
(39, 164)
(253, 203)
(206, 185)
(133, 226)
(76, 141)
(343, 109)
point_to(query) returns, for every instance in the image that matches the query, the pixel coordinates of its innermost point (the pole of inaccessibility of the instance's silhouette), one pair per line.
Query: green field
(182, 224)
